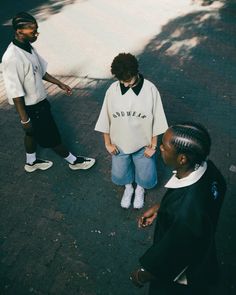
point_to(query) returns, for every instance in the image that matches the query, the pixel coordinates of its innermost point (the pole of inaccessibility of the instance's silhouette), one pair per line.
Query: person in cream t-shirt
(23, 72)
(131, 119)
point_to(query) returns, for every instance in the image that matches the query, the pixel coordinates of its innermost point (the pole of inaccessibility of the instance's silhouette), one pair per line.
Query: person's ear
(182, 159)
(18, 32)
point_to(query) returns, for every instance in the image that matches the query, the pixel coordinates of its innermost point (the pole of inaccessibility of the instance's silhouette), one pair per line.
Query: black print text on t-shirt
(129, 114)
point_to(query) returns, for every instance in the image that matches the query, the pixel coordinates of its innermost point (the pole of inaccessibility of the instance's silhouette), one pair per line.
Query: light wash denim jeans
(127, 168)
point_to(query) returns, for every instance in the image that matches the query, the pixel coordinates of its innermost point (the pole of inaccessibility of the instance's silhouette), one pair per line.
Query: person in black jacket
(182, 259)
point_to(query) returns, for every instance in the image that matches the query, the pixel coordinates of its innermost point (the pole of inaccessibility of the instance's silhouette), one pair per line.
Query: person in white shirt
(131, 119)
(23, 72)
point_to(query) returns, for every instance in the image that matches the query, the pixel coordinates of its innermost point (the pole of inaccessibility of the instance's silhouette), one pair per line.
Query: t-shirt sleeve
(160, 124)
(103, 122)
(13, 76)
(172, 254)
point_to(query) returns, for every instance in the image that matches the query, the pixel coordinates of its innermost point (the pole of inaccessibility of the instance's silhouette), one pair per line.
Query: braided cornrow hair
(22, 20)
(193, 140)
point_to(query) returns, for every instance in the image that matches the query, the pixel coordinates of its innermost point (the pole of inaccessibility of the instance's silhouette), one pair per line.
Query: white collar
(193, 177)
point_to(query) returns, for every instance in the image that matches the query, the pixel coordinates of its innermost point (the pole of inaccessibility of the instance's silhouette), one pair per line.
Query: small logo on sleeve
(215, 190)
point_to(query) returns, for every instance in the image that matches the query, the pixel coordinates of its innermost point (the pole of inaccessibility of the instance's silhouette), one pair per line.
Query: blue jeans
(127, 168)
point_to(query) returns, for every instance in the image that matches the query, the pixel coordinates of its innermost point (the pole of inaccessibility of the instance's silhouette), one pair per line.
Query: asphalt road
(62, 231)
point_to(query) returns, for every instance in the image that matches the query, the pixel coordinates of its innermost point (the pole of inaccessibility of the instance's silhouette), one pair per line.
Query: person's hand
(149, 152)
(140, 276)
(148, 217)
(134, 279)
(112, 149)
(66, 88)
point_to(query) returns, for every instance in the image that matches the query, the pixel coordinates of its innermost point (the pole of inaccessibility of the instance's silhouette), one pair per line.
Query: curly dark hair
(124, 66)
(22, 20)
(193, 140)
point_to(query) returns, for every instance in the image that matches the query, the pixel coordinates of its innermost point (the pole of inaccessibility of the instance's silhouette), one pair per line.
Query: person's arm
(19, 103)
(47, 77)
(148, 216)
(111, 148)
(151, 149)
(20, 108)
(167, 258)
(154, 142)
(140, 276)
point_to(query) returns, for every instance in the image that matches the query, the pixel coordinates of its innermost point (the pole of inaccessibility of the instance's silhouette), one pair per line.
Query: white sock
(139, 188)
(30, 158)
(71, 158)
(129, 186)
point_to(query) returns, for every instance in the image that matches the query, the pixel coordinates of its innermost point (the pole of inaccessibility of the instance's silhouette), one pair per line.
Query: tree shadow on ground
(41, 9)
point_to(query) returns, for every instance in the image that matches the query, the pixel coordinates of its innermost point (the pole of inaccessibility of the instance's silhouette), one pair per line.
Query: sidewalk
(63, 232)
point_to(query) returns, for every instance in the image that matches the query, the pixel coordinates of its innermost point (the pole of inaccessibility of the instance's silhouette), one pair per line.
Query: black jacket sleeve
(167, 258)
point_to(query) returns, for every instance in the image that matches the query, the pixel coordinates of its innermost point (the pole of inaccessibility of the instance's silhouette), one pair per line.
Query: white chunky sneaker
(83, 163)
(139, 198)
(38, 164)
(126, 199)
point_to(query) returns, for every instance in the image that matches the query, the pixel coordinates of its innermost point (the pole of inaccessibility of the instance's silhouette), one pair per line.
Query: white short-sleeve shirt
(23, 73)
(132, 120)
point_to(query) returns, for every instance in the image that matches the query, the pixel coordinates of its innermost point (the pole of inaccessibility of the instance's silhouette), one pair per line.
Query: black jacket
(185, 231)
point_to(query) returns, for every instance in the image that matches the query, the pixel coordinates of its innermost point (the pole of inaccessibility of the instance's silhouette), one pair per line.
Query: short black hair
(124, 66)
(193, 140)
(22, 20)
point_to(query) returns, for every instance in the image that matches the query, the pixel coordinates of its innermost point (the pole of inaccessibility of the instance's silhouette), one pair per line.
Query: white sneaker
(126, 199)
(139, 198)
(38, 164)
(83, 163)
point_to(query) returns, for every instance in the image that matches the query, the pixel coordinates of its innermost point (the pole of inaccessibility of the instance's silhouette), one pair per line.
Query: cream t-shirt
(23, 73)
(132, 120)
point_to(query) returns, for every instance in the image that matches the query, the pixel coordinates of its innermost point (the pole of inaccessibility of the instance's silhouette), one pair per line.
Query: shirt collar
(25, 46)
(136, 89)
(192, 178)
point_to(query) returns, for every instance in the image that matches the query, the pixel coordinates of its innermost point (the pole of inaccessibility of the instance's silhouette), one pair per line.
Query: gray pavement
(62, 231)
